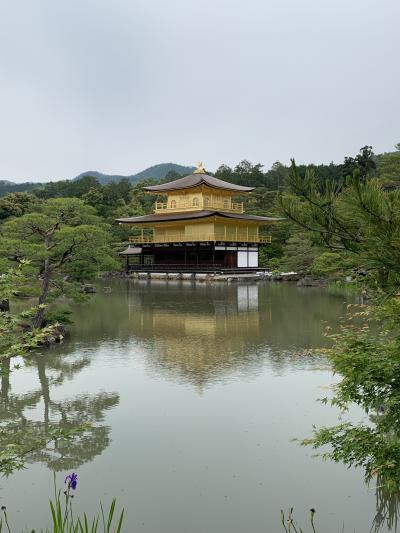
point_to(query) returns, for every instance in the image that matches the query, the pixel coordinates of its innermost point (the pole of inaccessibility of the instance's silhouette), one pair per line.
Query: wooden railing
(210, 237)
(235, 207)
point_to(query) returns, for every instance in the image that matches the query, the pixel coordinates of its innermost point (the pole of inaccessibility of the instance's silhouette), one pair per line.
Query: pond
(195, 392)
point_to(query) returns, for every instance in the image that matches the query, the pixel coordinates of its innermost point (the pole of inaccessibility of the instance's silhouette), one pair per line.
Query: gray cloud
(119, 85)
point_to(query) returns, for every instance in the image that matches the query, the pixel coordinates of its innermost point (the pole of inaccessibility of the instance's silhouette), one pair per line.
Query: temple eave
(172, 217)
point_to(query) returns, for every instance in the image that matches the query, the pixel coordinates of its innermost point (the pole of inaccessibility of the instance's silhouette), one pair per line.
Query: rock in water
(57, 335)
(88, 289)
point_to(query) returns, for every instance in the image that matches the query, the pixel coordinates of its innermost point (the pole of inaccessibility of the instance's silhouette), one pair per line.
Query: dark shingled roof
(192, 215)
(197, 179)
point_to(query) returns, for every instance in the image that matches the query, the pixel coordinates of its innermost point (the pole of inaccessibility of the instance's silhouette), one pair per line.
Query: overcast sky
(119, 85)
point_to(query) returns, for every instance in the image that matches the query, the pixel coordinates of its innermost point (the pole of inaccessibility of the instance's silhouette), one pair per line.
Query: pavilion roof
(194, 215)
(194, 180)
(131, 250)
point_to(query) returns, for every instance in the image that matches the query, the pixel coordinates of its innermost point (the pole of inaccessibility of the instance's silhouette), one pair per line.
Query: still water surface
(195, 392)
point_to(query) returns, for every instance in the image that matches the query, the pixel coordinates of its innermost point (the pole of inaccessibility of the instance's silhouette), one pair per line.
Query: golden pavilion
(199, 226)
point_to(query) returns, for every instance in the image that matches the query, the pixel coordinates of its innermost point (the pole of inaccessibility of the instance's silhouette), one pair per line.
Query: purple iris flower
(72, 480)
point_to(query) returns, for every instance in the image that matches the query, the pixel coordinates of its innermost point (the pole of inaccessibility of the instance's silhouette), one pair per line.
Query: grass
(63, 519)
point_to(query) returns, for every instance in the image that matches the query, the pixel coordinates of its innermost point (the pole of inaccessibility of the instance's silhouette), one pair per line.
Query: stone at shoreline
(87, 288)
(174, 275)
(283, 276)
(202, 277)
(367, 297)
(57, 335)
(187, 275)
(158, 275)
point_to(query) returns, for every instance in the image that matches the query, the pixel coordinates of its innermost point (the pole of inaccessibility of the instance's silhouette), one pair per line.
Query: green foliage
(58, 316)
(15, 338)
(64, 519)
(64, 241)
(94, 197)
(10, 187)
(328, 263)
(16, 204)
(359, 224)
(67, 188)
(299, 254)
(364, 162)
(369, 365)
(389, 168)
(18, 441)
(274, 264)
(263, 256)
(361, 219)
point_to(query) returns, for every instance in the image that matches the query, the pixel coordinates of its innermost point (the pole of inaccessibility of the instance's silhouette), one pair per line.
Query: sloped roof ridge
(193, 180)
(192, 215)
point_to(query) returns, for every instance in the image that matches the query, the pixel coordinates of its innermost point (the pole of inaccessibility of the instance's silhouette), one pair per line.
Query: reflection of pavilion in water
(200, 346)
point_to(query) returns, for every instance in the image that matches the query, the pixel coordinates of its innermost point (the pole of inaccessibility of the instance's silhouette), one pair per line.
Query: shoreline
(300, 279)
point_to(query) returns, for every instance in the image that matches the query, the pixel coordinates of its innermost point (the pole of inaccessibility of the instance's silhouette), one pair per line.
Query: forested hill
(156, 172)
(9, 186)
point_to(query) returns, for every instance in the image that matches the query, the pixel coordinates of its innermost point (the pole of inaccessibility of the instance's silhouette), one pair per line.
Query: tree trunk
(5, 381)
(38, 320)
(44, 383)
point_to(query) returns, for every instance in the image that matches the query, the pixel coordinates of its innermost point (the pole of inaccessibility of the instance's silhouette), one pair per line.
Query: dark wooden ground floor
(192, 258)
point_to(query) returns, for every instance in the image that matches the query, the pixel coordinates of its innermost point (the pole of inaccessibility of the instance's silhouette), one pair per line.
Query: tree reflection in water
(387, 508)
(67, 414)
(197, 334)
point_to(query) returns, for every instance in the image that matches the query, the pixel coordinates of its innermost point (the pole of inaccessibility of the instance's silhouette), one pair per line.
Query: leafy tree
(248, 174)
(389, 168)
(277, 176)
(224, 173)
(74, 425)
(245, 173)
(364, 162)
(369, 365)
(260, 201)
(67, 188)
(299, 253)
(63, 240)
(328, 264)
(361, 219)
(94, 197)
(16, 204)
(15, 340)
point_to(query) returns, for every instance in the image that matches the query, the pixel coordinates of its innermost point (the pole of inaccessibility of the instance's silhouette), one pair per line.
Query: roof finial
(200, 169)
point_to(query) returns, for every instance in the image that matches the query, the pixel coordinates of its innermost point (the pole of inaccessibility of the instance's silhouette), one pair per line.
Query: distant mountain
(157, 172)
(9, 186)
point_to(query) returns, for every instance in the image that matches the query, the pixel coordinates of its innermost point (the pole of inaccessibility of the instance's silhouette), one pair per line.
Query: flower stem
(66, 506)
